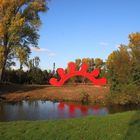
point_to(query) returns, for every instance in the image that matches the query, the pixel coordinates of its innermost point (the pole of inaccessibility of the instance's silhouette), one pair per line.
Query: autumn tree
(36, 61)
(118, 64)
(134, 48)
(23, 56)
(78, 63)
(123, 68)
(124, 64)
(19, 25)
(98, 63)
(91, 64)
(72, 79)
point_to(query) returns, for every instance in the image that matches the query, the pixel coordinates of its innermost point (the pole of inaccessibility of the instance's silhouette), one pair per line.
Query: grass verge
(118, 126)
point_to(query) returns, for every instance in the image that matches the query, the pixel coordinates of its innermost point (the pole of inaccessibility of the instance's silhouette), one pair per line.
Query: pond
(46, 110)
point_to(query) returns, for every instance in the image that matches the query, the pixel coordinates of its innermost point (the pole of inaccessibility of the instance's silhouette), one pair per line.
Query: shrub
(84, 97)
(128, 94)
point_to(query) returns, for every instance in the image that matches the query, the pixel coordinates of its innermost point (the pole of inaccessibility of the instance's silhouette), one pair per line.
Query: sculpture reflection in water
(75, 110)
(44, 110)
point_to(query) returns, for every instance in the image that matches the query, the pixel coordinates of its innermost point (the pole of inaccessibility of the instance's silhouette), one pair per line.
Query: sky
(74, 29)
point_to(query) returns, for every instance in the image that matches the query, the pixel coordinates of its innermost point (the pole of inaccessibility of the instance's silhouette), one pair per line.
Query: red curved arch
(82, 72)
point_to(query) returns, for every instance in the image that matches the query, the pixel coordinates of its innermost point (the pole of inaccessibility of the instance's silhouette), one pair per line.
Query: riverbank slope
(13, 93)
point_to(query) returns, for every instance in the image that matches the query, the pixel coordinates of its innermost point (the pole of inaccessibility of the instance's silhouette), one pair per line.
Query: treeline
(122, 67)
(33, 74)
(19, 26)
(92, 64)
(123, 71)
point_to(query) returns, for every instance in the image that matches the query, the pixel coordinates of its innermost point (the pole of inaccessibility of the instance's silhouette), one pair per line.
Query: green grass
(119, 126)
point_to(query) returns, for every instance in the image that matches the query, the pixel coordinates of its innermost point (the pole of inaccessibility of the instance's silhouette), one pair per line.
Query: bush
(128, 94)
(84, 97)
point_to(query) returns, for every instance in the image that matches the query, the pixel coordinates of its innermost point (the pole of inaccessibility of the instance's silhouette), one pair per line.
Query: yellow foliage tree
(19, 24)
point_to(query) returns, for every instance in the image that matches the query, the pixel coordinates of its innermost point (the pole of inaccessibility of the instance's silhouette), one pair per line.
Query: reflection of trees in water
(25, 109)
(2, 112)
(33, 110)
(122, 108)
(33, 104)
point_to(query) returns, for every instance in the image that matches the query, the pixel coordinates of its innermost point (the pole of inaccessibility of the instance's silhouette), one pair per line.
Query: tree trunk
(1, 71)
(5, 55)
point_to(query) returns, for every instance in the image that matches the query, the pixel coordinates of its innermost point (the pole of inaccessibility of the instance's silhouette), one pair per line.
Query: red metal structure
(73, 72)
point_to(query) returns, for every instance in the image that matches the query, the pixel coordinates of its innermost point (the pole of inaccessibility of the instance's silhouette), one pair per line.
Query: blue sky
(85, 28)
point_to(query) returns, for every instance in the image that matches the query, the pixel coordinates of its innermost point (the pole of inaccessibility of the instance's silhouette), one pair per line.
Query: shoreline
(75, 93)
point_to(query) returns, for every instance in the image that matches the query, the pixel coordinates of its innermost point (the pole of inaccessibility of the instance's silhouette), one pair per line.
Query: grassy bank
(112, 127)
(13, 93)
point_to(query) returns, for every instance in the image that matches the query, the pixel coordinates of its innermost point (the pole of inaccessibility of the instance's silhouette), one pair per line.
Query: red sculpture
(73, 72)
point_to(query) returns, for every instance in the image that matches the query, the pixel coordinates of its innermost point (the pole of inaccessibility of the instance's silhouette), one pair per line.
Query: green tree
(23, 56)
(98, 63)
(134, 46)
(36, 61)
(78, 62)
(118, 65)
(19, 24)
(91, 64)
(36, 76)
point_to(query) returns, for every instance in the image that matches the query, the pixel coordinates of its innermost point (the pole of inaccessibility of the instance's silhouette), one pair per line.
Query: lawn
(118, 126)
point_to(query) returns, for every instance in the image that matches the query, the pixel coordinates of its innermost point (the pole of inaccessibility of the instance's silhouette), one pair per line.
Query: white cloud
(117, 46)
(104, 43)
(49, 53)
(39, 49)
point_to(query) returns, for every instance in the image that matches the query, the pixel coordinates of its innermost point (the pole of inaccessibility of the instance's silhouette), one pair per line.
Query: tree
(23, 56)
(19, 25)
(123, 68)
(134, 46)
(86, 60)
(78, 62)
(118, 65)
(36, 61)
(36, 76)
(91, 65)
(98, 62)
(32, 63)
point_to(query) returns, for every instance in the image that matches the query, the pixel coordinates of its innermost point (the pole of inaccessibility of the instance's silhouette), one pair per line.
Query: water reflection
(82, 110)
(42, 110)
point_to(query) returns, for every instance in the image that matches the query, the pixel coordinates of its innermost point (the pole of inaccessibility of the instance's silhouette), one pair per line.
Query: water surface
(45, 110)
